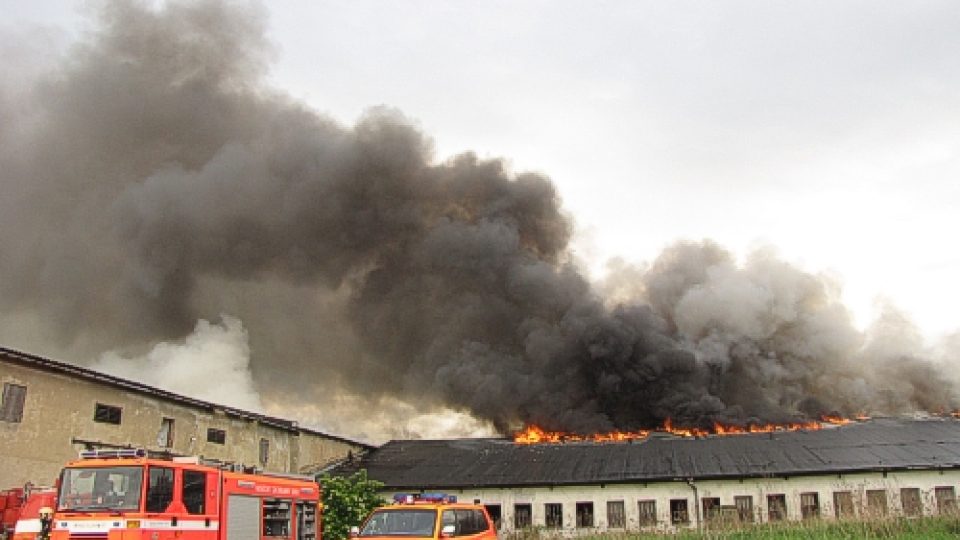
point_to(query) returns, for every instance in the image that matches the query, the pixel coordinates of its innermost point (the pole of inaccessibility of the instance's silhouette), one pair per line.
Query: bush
(346, 501)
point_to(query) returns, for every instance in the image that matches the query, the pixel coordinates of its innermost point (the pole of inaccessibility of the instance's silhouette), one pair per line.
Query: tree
(346, 501)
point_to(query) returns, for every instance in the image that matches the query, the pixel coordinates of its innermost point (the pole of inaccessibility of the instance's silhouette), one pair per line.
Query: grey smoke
(152, 179)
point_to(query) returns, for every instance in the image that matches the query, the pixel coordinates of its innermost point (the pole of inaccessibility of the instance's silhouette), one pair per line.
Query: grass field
(926, 528)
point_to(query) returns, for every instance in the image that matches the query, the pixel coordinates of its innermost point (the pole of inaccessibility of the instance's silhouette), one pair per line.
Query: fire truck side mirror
(354, 531)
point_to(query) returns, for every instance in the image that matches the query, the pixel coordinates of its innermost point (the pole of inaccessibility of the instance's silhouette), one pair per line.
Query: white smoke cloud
(212, 364)
(379, 419)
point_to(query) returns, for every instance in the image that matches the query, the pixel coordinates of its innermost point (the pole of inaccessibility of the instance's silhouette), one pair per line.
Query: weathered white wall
(726, 490)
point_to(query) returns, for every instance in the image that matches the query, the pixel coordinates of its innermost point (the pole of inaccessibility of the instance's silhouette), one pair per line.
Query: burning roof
(884, 444)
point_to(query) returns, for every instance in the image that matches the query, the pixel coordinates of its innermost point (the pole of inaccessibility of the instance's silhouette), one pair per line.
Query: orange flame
(533, 434)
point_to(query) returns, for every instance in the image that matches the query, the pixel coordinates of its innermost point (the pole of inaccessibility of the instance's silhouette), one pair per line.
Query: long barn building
(51, 410)
(878, 467)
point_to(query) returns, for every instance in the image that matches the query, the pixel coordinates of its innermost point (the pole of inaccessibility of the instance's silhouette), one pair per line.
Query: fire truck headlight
(133, 523)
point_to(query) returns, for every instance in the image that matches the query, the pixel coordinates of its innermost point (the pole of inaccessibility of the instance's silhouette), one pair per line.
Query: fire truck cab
(125, 495)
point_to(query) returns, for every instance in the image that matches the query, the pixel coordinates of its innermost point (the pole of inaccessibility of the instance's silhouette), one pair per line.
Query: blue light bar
(438, 497)
(113, 454)
(411, 498)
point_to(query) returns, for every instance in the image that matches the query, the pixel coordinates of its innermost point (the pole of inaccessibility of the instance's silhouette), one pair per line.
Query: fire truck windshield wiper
(94, 508)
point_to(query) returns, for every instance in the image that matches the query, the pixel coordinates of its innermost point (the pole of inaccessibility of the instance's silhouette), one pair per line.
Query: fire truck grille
(88, 536)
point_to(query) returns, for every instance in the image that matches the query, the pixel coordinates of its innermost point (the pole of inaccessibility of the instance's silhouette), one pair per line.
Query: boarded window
(165, 435)
(522, 516)
(264, 451)
(494, 511)
(616, 517)
(107, 414)
(910, 500)
(946, 499)
(776, 507)
(11, 408)
(679, 513)
(584, 514)
(194, 491)
(744, 504)
(159, 489)
(810, 505)
(553, 513)
(877, 502)
(843, 504)
(648, 512)
(216, 436)
(711, 508)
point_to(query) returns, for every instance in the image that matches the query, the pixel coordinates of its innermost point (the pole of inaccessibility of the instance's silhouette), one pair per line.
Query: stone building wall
(57, 421)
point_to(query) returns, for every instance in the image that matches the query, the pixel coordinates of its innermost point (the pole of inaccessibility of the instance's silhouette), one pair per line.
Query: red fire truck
(125, 495)
(20, 510)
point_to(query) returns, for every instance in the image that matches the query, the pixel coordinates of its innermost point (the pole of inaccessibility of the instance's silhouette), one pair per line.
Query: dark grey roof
(46, 364)
(879, 444)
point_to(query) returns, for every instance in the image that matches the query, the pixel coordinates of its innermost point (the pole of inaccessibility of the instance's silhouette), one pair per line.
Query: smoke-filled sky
(400, 219)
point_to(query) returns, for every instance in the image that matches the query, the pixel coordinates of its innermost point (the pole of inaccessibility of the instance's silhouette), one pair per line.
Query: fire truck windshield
(100, 488)
(400, 522)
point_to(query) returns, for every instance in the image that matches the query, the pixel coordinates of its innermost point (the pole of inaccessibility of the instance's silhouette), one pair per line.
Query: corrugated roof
(879, 444)
(46, 364)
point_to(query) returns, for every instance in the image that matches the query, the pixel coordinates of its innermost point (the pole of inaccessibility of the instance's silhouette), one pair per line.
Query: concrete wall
(725, 490)
(59, 410)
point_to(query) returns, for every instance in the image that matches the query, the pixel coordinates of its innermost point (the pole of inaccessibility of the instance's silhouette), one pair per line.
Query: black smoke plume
(150, 179)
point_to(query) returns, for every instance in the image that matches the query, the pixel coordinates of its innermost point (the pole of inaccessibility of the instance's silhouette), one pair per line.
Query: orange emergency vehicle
(427, 516)
(124, 495)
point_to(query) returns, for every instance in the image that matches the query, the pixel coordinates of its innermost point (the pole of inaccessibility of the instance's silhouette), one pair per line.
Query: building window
(553, 515)
(107, 414)
(495, 514)
(159, 489)
(584, 514)
(522, 516)
(711, 508)
(648, 513)
(946, 499)
(11, 408)
(194, 488)
(877, 502)
(616, 517)
(910, 500)
(744, 504)
(810, 505)
(843, 504)
(165, 435)
(264, 452)
(776, 507)
(679, 514)
(216, 436)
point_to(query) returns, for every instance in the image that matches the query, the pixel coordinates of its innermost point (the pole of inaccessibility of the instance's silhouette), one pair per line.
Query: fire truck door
(243, 518)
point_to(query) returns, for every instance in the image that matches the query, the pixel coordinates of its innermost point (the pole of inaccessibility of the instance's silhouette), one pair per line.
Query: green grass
(920, 529)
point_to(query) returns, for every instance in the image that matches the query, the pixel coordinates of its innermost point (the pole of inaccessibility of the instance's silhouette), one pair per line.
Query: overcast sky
(829, 130)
